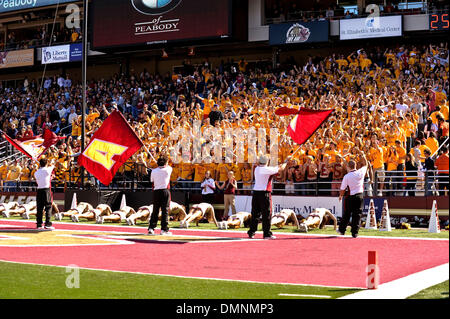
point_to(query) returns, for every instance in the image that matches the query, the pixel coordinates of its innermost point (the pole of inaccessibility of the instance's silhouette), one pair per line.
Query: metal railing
(421, 184)
(393, 183)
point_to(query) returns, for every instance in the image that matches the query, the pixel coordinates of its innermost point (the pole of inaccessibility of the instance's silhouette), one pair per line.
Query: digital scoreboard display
(119, 23)
(439, 21)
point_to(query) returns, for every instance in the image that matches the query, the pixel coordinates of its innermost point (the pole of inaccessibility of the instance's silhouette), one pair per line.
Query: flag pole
(146, 149)
(84, 71)
(298, 149)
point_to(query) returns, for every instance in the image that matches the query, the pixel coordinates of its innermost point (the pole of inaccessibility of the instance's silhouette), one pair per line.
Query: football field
(92, 261)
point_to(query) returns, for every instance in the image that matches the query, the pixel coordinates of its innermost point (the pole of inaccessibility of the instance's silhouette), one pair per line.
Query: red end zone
(293, 259)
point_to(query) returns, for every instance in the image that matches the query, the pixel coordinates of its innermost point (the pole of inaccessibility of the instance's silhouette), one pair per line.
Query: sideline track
(295, 259)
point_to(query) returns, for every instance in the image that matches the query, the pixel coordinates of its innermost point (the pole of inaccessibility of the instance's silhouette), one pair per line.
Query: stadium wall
(302, 205)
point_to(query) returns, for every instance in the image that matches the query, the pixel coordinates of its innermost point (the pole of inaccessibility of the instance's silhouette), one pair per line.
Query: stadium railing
(418, 8)
(425, 183)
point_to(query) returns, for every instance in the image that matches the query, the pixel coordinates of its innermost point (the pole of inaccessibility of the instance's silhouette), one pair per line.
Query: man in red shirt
(442, 129)
(442, 164)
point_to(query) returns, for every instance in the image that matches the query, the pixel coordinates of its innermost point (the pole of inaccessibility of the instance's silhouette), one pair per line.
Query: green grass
(24, 281)
(439, 291)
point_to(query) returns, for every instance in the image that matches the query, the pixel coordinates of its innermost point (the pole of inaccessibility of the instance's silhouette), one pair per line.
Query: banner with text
(147, 22)
(302, 206)
(62, 53)
(370, 27)
(16, 5)
(13, 59)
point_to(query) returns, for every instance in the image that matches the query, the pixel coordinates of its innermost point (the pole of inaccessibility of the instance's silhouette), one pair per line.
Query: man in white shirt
(60, 82)
(67, 83)
(44, 198)
(353, 206)
(401, 106)
(208, 187)
(262, 196)
(47, 83)
(72, 116)
(61, 111)
(160, 177)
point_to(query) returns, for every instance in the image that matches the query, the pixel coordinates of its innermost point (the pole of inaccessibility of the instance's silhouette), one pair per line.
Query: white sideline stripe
(228, 231)
(407, 286)
(184, 277)
(312, 296)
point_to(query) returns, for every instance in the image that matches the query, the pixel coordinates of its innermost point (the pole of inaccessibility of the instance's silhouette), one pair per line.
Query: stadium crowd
(390, 103)
(38, 37)
(306, 11)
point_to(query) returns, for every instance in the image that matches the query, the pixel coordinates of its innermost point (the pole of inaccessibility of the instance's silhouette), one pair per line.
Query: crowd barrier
(387, 184)
(412, 209)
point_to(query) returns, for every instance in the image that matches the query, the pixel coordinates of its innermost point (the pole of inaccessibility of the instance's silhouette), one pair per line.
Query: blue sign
(62, 53)
(16, 5)
(76, 52)
(299, 32)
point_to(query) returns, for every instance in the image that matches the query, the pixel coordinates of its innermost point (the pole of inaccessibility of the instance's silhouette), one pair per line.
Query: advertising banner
(62, 53)
(18, 58)
(298, 32)
(370, 27)
(16, 5)
(145, 22)
(76, 52)
(302, 206)
(56, 54)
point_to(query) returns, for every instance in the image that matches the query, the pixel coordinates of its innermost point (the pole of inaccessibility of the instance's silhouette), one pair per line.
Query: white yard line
(407, 286)
(185, 277)
(55, 223)
(306, 296)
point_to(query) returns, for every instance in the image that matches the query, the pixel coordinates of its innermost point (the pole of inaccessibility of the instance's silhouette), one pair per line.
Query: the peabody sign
(15, 5)
(157, 25)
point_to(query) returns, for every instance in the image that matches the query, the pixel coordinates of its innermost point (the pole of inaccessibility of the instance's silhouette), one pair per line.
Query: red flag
(36, 146)
(285, 111)
(305, 123)
(110, 147)
(50, 138)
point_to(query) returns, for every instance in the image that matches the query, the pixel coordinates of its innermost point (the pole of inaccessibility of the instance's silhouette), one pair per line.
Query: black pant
(261, 206)
(208, 198)
(161, 200)
(353, 207)
(410, 187)
(43, 202)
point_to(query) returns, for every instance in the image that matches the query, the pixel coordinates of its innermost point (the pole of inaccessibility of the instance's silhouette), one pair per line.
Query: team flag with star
(109, 148)
(305, 122)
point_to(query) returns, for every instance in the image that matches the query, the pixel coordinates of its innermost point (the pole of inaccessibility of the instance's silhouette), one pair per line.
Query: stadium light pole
(84, 71)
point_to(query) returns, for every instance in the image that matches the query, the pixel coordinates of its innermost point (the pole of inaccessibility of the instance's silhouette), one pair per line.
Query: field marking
(115, 237)
(406, 286)
(187, 277)
(230, 231)
(307, 296)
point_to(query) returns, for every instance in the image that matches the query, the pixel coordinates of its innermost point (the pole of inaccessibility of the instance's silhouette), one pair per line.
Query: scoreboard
(438, 21)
